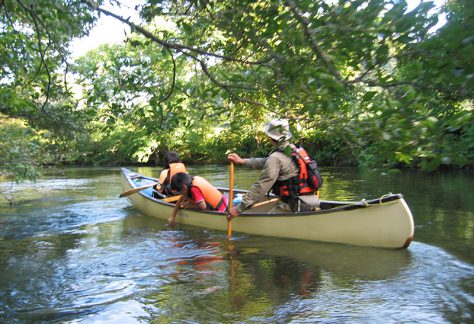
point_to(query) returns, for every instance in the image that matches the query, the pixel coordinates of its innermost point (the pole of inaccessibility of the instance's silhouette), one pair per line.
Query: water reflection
(349, 262)
(80, 254)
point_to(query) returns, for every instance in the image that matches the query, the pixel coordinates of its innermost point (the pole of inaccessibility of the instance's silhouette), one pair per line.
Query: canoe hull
(388, 224)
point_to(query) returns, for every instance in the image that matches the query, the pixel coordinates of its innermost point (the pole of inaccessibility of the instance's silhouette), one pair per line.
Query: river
(72, 251)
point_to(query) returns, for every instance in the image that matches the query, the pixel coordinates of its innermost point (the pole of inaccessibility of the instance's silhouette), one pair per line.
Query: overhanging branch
(312, 42)
(178, 47)
(191, 52)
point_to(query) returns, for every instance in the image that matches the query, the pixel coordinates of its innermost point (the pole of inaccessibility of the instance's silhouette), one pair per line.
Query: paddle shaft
(265, 202)
(135, 190)
(231, 198)
(172, 198)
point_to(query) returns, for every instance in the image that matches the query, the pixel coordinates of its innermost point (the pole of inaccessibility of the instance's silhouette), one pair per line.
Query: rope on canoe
(384, 196)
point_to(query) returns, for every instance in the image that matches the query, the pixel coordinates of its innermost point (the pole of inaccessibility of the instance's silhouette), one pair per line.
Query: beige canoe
(383, 222)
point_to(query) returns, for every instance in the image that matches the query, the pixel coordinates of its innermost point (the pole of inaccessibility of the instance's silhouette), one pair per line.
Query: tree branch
(178, 47)
(312, 42)
(227, 87)
(41, 52)
(170, 91)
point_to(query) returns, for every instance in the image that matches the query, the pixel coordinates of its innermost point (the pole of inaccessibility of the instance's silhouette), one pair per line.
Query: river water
(72, 251)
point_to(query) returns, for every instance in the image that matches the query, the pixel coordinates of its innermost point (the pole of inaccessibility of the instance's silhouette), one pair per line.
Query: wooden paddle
(172, 198)
(265, 202)
(135, 190)
(231, 198)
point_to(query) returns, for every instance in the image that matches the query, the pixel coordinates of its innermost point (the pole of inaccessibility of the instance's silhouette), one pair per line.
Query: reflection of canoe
(382, 222)
(357, 262)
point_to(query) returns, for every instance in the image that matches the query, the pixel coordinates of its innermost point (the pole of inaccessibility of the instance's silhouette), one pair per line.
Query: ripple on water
(82, 254)
(56, 218)
(45, 187)
(422, 292)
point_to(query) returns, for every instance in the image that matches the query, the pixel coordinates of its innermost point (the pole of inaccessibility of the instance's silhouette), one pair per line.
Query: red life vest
(214, 198)
(308, 180)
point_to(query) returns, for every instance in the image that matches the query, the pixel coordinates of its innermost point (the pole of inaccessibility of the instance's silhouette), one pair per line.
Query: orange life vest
(167, 174)
(214, 198)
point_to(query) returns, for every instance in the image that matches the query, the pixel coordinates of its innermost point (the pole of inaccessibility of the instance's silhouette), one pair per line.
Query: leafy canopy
(362, 82)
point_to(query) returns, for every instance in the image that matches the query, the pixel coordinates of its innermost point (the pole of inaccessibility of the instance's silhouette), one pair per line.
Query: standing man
(280, 174)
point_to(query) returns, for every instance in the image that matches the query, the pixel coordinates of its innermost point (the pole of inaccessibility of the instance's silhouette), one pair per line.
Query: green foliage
(362, 82)
(35, 35)
(20, 151)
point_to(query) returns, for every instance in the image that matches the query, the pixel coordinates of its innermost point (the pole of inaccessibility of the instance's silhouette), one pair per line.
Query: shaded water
(71, 250)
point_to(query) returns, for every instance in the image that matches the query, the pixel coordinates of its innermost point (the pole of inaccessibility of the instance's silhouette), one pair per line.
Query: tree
(33, 50)
(322, 65)
(359, 80)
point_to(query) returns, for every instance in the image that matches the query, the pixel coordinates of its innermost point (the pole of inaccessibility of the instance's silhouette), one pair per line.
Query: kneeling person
(202, 194)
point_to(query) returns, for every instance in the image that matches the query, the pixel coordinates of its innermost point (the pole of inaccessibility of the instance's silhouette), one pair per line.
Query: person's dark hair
(179, 180)
(171, 157)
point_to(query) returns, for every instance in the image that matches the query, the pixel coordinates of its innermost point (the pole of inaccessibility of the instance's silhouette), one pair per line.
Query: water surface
(72, 251)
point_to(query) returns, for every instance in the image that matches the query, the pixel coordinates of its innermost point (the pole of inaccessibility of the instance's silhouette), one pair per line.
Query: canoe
(385, 222)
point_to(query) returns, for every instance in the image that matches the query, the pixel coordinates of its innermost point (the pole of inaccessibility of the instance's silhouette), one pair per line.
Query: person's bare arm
(201, 205)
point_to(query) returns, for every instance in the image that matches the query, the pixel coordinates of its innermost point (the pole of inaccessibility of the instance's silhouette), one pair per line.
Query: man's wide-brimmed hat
(278, 129)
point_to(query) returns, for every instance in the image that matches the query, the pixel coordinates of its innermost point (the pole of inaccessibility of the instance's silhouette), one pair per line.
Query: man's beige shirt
(277, 166)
